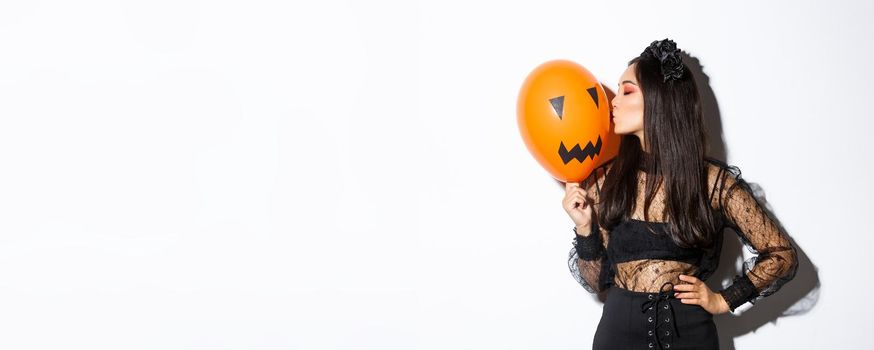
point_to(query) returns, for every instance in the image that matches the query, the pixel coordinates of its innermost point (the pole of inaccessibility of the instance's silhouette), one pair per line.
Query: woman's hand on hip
(694, 291)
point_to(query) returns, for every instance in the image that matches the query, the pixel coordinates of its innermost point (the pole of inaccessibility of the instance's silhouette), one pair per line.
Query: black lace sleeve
(587, 259)
(775, 262)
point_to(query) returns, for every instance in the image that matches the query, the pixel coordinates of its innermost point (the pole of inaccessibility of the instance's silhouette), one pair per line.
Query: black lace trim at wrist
(589, 247)
(739, 292)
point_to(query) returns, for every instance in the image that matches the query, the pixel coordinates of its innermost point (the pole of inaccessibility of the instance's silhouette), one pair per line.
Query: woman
(649, 222)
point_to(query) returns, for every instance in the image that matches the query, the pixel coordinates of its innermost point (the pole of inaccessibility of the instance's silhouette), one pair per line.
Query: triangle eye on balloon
(557, 105)
(558, 102)
(568, 148)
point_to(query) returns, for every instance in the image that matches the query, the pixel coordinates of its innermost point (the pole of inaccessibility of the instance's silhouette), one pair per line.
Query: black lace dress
(637, 264)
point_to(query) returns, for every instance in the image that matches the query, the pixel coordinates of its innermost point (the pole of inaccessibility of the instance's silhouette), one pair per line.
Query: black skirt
(637, 320)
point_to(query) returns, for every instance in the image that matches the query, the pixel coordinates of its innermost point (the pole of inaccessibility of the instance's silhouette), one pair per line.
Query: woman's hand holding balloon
(578, 206)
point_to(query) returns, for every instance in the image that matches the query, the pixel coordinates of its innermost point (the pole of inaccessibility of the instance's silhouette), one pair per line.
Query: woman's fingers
(687, 291)
(575, 191)
(690, 279)
(574, 198)
(572, 187)
(689, 295)
(571, 195)
(577, 198)
(692, 289)
(686, 287)
(695, 292)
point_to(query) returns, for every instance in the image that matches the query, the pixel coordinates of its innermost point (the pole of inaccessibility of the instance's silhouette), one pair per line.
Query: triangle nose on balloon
(558, 105)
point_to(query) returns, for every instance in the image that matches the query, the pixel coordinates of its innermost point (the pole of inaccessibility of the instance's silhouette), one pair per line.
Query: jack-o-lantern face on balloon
(564, 117)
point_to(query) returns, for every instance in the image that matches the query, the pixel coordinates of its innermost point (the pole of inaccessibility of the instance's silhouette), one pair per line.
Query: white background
(349, 175)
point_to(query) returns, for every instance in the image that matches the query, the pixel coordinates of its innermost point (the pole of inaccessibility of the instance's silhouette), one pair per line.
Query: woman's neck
(645, 161)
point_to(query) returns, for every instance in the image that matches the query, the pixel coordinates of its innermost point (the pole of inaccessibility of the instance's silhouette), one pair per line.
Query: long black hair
(674, 132)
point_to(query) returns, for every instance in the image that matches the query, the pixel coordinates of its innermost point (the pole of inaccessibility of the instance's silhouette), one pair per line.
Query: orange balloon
(564, 117)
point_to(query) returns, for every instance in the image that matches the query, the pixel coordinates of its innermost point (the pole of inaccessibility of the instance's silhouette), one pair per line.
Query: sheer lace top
(638, 255)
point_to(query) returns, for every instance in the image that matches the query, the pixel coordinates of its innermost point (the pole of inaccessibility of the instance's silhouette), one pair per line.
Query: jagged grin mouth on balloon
(579, 153)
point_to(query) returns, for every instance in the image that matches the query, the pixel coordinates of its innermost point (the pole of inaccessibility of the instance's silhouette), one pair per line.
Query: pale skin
(628, 120)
